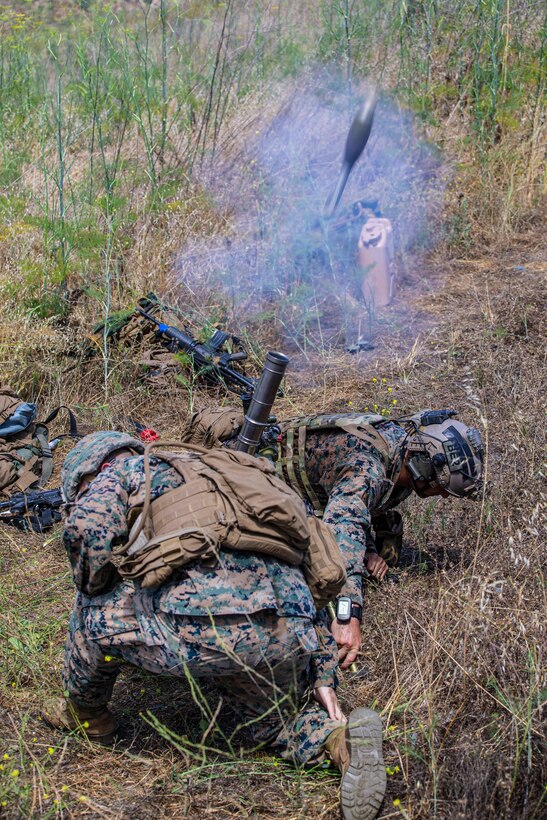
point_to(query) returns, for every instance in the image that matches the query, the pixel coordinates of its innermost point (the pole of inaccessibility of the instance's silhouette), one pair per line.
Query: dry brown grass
(453, 654)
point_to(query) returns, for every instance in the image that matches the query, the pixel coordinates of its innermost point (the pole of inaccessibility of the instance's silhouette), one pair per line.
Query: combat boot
(97, 724)
(357, 751)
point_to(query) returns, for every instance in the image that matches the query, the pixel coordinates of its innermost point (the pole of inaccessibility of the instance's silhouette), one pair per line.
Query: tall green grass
(107, 112)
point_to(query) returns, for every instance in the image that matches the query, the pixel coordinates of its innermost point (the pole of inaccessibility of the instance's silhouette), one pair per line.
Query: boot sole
(364, 784)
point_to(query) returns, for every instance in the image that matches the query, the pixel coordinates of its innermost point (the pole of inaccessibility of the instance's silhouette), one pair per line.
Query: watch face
(343, 609)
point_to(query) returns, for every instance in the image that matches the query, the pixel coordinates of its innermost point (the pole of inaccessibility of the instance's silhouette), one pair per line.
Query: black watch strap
(357, 611)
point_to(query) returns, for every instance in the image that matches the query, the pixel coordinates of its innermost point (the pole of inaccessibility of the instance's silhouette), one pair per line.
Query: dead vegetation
(454, 651)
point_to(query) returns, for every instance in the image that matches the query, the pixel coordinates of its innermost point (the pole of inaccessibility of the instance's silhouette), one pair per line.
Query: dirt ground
(453, 649)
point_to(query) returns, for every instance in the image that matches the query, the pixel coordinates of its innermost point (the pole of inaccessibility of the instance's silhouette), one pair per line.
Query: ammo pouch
(325, 567)
(388, 527)
(229, 500)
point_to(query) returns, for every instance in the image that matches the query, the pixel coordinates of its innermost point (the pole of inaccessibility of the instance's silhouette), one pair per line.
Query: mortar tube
(260, 408)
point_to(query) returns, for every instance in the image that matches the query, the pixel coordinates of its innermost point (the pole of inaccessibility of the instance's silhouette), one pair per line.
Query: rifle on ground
(210, 363)
(37, 511)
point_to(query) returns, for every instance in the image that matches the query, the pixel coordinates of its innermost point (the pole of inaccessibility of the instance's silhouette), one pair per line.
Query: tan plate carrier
(291, 465)
(229, 500)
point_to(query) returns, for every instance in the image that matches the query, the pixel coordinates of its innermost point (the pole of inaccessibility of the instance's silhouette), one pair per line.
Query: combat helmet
(445, 452)
(89, 455)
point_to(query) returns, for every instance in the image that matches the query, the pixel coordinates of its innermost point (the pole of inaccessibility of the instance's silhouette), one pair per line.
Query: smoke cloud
(280, 247)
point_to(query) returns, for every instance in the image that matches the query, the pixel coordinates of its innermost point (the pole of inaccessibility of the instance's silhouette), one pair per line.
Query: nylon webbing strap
(294, 464)
(26, 477)
(40, 432)
(314, 501)
(145, 523)
(289, 461)
(73, 427)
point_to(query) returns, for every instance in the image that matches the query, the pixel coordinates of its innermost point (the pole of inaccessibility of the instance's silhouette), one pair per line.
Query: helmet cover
(88, 456)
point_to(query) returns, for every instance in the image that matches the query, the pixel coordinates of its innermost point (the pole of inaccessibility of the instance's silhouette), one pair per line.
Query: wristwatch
(346, 609)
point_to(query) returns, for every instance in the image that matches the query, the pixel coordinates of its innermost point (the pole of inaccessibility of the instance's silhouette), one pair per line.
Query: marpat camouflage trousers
(260, 662)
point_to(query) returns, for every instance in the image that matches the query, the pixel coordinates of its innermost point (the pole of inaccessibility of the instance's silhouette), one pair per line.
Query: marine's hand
(377, 566)
(348, 638)
(326, 696)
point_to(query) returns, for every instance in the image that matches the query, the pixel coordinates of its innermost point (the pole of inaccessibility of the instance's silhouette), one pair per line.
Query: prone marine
(353, 469)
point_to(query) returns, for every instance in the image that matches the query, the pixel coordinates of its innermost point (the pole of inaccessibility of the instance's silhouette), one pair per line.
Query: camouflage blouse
(353, 478)
(240, 583)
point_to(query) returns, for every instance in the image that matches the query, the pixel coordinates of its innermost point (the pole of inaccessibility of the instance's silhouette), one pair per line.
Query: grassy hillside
(188, 148)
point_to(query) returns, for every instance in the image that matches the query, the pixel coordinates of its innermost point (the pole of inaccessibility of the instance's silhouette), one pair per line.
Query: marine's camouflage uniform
(350, 476)
(249, 622)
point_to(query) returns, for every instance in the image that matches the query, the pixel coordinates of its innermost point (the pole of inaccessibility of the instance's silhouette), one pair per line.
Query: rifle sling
(73, 426)
(41, 433)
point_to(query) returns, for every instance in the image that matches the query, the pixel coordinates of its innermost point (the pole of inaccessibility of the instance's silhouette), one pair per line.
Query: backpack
(229, 500)
(209, 428)
(25, 454)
